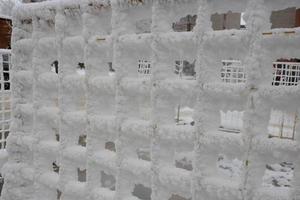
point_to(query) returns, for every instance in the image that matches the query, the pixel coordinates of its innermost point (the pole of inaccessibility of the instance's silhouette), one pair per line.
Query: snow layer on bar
(103, 194)
(49, 179)
(48, 147)
(5, 51)
(106, 159)
(176, 133)
(75, 189)
(137, 127)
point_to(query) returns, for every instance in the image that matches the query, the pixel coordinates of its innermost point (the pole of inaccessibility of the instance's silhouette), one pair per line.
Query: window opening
(226, 21)
(144, 154)
(1, 183)
(58, 192)
(243, 22)
(110, 146)
(57, 138)
(279, 175)
(178, 197)
(143, 26)
(229, 168)
(54, 66)
(184, 162)
(111, 70)
(55, 167)
(286, 18)
(81, 69)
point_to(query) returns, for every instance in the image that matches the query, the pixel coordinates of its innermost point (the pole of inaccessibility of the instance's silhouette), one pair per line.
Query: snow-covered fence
(84, 134)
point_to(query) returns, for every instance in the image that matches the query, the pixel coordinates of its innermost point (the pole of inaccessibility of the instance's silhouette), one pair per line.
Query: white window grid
(144, 67)
(286, 73)
(5, 100)
(233, 71)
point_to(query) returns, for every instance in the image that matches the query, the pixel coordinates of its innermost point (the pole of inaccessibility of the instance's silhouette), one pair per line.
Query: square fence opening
(233, 71)
(108, 181)
(282, 124)
(142, 192)
(81, 175)
(110, 146)
(231, 121)
(82, 140)
(279, 175)
(286, 73)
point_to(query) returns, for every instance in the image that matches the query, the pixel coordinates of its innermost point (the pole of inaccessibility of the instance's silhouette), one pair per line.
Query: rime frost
(112, 102)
